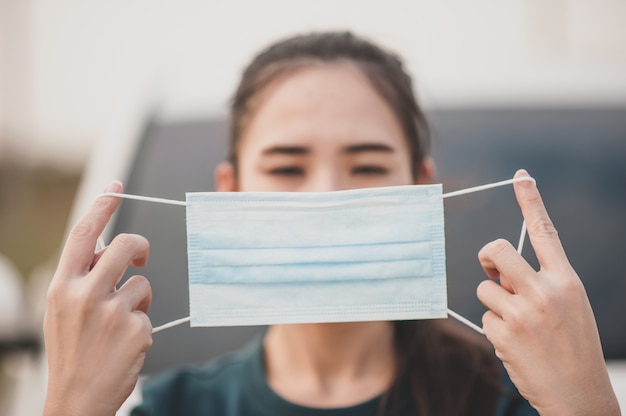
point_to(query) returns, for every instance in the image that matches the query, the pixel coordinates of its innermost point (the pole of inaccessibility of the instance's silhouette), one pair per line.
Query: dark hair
(447, 370)
(383, 69)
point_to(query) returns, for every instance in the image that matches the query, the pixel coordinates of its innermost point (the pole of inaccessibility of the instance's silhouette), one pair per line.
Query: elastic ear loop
(451, 313)
(100, 244)
(520, 244)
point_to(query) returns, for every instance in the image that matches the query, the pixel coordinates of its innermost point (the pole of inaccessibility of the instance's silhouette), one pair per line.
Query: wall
(70, 64)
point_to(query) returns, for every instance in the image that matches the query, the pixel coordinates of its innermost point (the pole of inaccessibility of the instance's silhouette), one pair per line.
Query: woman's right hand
(96, 336)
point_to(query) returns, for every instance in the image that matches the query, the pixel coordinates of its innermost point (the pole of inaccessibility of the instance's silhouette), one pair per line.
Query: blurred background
(96, 90)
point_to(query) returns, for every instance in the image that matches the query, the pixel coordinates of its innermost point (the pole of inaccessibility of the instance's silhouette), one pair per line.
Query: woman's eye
(287, 171)
(369, 170)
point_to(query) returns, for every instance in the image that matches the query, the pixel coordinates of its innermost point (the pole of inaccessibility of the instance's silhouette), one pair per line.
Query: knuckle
(572, 288)
(86, 226)
(141, 285)
(114, 312)
(84, 299)
(537, 313)
(486, 319)
(480, 290)
(534, 199)
(104, 205)
(141, 330)
(516, 318)
(483, 289)
(513, 318)
(71, 300)
(544, 301)
(54, 294)
(494, 249)
(83, 229)
(544, 228)
(130, 243)
(500, 246)
(147, 343)
(124, 241)
(497, 335)
(143, 244)
(145, 286)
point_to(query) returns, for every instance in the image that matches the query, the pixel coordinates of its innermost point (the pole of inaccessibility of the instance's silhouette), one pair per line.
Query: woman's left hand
(541, 323)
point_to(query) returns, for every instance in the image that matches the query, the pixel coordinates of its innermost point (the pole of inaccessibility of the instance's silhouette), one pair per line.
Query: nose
(324, 179)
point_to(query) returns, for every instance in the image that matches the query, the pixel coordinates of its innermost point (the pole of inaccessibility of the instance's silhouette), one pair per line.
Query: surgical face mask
(294, 257)
(258, 258)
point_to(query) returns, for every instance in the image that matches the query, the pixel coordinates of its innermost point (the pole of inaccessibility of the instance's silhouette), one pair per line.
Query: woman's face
(322, 128)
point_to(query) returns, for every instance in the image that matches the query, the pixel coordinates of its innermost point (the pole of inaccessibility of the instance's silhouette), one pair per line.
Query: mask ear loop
(520, 244)
(100, 244)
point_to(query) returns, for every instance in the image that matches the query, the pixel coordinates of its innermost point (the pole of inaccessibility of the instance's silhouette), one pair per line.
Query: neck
(330, 364)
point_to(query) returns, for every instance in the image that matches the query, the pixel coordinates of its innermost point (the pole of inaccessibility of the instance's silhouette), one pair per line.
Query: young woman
(326, 112)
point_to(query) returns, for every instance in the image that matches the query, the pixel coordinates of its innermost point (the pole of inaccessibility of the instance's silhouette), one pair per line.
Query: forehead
(325, 104)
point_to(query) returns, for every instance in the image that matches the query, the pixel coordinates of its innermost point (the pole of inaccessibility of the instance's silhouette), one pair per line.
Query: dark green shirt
(235, 385)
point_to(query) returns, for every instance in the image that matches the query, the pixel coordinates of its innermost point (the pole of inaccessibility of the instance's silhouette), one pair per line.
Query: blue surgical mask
(294, 257)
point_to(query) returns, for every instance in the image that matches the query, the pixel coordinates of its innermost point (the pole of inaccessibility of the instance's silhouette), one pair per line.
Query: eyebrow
(368, 147)
(353, 149)
(286, 150)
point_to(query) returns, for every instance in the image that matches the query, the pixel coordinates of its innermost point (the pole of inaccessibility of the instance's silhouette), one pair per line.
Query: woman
(327, 112)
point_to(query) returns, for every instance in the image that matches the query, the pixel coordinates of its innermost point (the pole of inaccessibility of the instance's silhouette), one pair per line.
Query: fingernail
(115, 186)
(521, 173)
